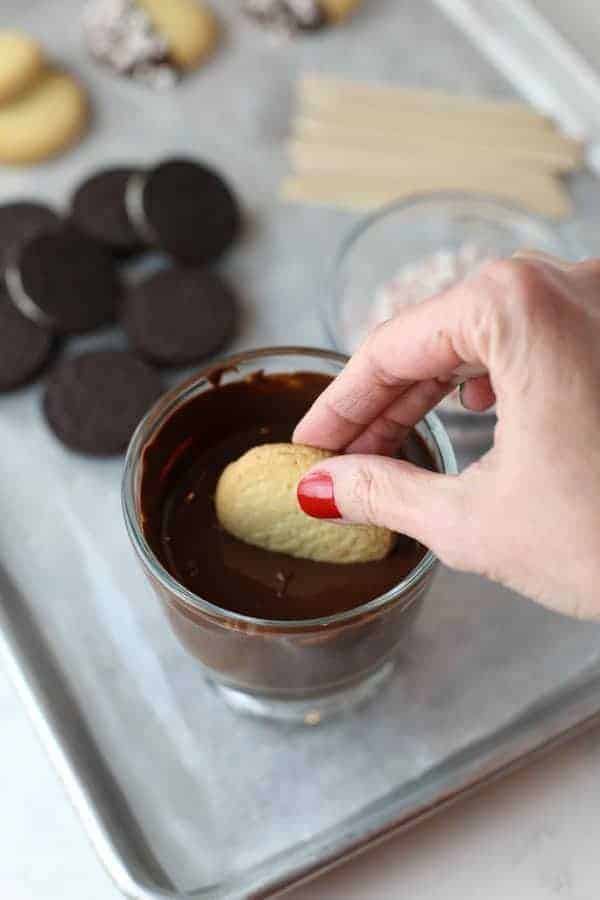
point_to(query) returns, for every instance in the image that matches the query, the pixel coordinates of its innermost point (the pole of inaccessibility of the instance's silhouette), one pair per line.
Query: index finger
(421, 343)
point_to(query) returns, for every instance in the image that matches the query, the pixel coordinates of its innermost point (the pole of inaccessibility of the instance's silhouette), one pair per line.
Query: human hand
(527, 514)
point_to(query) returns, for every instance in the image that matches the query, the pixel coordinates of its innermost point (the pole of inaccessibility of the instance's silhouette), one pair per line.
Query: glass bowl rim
(159, 413)
(502, 212)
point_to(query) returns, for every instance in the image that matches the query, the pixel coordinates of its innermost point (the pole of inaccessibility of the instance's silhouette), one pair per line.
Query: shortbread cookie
(256, 502)
(43, 120)
(188, 26)
(21, 62)
(338, 10)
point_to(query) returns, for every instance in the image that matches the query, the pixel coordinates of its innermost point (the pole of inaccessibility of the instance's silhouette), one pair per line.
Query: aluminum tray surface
(547, 50)
(180, 795)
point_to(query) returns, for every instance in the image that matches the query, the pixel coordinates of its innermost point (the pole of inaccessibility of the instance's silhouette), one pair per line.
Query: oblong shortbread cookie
(338, 10)
(43, 120)
(21, 61)
(189, 27)
(256, 502)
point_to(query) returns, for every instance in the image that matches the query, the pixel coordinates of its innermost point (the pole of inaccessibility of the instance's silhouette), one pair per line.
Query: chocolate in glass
(271, 624)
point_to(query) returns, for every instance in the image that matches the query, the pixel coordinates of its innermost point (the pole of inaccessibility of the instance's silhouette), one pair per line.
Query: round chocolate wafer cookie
(64, 281)
(186, 209)
(94, 401)
(25, 348)
(98, 210)
(20, 221)
(179, 315)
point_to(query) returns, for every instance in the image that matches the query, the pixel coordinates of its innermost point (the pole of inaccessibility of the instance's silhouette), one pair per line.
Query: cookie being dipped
(256, 502)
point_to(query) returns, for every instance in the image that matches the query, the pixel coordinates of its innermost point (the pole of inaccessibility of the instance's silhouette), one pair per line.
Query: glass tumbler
(302, 670)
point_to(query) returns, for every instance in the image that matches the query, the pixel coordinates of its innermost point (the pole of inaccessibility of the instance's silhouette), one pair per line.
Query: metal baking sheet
(547, 50)
(180, 796)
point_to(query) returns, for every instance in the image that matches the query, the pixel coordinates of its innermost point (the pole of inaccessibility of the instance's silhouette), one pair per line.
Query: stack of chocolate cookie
(62, 277)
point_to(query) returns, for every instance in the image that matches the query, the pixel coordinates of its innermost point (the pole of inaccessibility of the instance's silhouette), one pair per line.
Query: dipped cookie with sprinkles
(152, 41)
(288, 17)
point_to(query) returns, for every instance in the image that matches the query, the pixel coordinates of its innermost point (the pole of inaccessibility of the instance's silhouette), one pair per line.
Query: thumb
(377, 490)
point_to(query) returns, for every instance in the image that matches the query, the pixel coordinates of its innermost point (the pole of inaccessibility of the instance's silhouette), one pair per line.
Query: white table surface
(534, 835)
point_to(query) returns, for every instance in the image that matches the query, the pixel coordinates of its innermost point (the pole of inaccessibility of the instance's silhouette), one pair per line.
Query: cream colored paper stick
(549, 154)
(327, 108)
(424, 125)
(540, 193)
(336, 155)
(319, 89)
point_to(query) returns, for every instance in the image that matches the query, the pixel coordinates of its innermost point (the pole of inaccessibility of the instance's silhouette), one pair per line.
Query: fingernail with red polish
(316, 497)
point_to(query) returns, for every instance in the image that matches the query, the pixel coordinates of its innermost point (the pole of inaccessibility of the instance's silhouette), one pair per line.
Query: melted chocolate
(180, 471)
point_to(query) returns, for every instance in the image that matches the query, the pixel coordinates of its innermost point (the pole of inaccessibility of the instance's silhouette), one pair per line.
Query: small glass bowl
(409, 232)
(299, 670)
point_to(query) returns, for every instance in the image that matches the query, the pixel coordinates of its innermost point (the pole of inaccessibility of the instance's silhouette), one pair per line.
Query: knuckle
(441, 343)
(373, 339)
(377, 495)
(341, 407)
(522, 286)
(517, 304)
(380, 373)
(590, 266)
(378, 330)
(589, 273)
(512, 274)
(497, 271)
(366, 495)
(387, 427)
